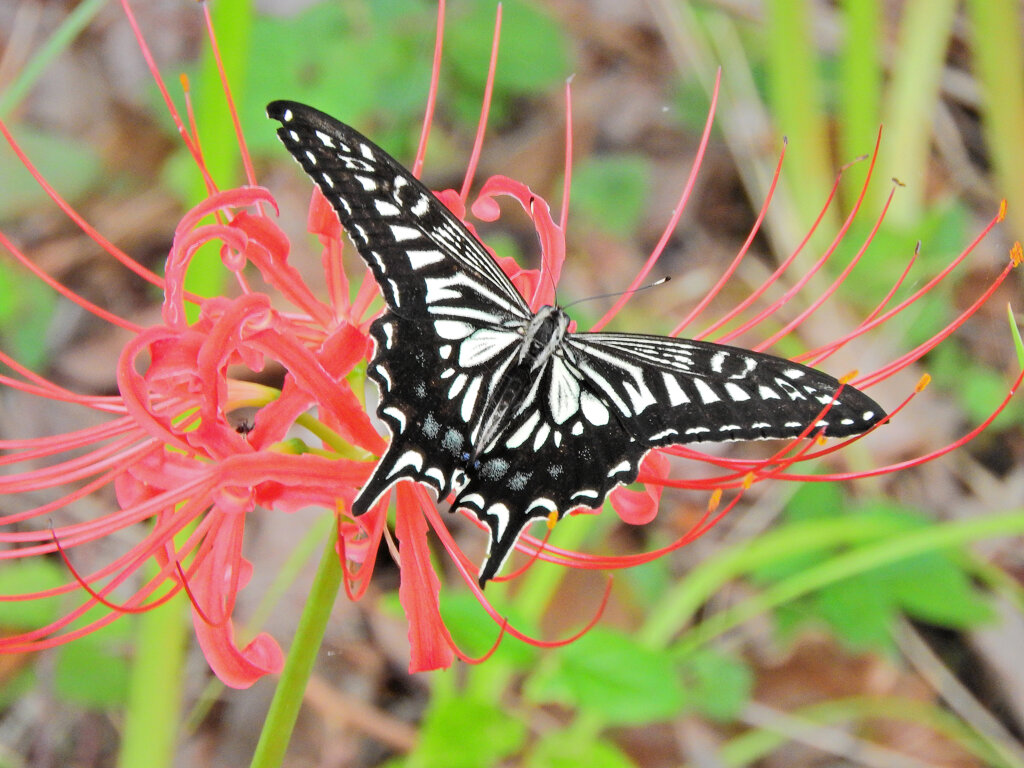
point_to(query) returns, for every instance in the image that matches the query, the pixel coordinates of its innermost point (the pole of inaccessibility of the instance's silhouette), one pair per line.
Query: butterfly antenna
(614, 294)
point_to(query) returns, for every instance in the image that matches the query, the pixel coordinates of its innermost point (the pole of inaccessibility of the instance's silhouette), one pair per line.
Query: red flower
(177, 461)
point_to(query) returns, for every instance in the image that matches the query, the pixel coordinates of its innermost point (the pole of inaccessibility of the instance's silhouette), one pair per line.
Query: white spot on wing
(484, 345)
(541, 437)
(452, 329)
(501, 515)
(421, 259)
(385, 208)
(564, 395)
(402, 234)
(707, 394)
(736, 392)
(618, 469)
(469, 401)
(676, 395)
(519, 437)
(594, 410)
(421, 207)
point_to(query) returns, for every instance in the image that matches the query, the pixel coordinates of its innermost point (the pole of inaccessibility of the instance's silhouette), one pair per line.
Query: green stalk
(153, 713)
(58, 42)
(233, 23)
(912, 96)
(999, 67)
(860, 88)
(284, 709)
(795, 95)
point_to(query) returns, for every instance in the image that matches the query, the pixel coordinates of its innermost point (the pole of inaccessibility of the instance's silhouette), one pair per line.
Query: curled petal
(641, 507)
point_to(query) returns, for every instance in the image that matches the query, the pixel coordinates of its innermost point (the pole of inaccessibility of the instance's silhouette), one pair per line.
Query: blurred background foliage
(877, 625)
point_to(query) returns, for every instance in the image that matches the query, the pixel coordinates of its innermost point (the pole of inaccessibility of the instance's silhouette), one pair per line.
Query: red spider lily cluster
(179, 466)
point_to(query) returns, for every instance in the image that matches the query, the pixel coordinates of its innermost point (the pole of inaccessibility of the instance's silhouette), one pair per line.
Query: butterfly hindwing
(505, 408)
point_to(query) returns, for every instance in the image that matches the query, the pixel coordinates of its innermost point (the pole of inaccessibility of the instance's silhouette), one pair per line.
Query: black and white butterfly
(506, 408)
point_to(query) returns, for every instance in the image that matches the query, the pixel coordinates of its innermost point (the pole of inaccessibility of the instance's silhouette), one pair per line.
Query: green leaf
(860, 610)
(467, 733)
(935, 588)
(27, 306)
(608, 673)
(93, 670)
(533, 56)
(553, 751)
(367, 59)
(718, 686)
(612, 191)
(475, 632)
(980, 390)
(19, 577)
(812, 501)
(1015, 331)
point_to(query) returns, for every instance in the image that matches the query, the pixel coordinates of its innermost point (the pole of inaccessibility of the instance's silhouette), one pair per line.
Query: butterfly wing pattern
(505, 408)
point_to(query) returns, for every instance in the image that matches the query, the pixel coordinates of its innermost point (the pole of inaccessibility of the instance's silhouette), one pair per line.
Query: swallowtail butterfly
(506, 408)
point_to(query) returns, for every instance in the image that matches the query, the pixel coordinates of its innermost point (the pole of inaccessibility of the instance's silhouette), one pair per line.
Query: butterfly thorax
(543, 336)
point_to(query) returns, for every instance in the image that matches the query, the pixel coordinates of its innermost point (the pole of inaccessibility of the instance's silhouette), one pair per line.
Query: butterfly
(507, 409)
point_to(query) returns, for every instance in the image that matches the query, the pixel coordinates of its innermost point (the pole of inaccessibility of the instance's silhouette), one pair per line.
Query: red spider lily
(176, 461)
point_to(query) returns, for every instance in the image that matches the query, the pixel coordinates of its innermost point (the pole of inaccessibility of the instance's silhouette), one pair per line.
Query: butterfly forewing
(419, 252)
(506, 409)
(681, 391)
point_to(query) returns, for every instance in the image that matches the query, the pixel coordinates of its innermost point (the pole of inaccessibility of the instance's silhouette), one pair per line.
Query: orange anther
(1017, 254)
(716, 497)
(1002, 210)
(552, 518)
(925, 380)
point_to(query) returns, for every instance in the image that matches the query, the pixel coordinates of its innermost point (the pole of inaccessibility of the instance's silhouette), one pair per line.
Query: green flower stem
(285, 577)
(860, 560)
(999, 66)
(153, 713)
(305, 649)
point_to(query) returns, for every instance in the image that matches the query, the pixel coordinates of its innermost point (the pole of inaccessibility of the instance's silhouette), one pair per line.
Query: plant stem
(153, 713)
(284, 709)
